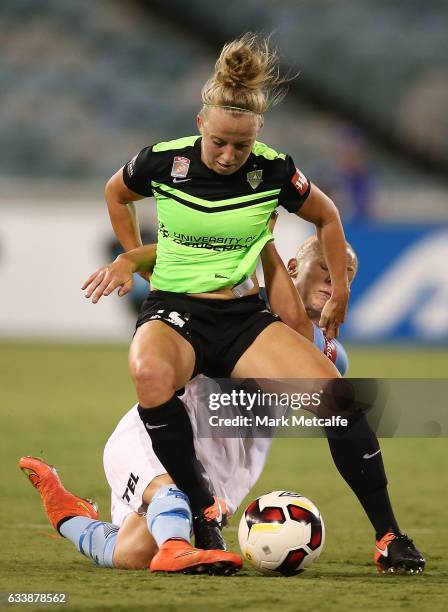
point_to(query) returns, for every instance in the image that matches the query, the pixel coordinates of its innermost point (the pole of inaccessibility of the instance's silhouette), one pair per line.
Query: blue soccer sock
(92, 538)
(169, 515)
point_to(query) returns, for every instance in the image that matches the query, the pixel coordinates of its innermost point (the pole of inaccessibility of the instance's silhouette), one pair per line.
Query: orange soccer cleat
(395, 552)
(59, 504)
(180, 556)
(218, 512)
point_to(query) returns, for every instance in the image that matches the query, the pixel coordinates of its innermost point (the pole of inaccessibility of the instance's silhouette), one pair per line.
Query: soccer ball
(281, 533)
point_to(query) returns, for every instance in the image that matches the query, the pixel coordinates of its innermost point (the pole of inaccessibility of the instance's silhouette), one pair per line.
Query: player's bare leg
(279, 352)
(162, 361)
(135, 546)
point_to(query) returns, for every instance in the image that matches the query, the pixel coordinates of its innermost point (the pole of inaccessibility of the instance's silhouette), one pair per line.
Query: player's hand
(333, 313)
(107, 278)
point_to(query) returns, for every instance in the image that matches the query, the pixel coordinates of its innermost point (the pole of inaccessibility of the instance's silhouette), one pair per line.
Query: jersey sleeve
(333, 349)
(319, 338)
(296, 187)
(341, 358)
(138, 172)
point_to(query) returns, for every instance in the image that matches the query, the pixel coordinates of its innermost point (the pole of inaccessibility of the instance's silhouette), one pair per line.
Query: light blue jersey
(333, 349)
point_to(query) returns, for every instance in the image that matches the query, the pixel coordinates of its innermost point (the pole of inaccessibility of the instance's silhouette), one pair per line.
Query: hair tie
(235, 108)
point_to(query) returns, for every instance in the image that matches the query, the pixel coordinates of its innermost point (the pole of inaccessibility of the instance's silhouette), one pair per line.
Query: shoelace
(405, 539)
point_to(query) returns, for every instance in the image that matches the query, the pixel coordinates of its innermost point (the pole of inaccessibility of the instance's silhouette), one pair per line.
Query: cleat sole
(401, 569)
(221, 568)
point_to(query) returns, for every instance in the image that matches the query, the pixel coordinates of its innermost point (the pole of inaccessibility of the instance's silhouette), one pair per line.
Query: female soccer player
(215, 193)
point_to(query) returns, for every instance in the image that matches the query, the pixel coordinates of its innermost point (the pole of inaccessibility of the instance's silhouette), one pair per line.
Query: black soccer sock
(357, 455)
(171, 435)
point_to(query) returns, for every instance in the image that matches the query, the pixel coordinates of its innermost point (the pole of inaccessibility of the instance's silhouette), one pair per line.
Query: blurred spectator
(346, 174)
(354, 176)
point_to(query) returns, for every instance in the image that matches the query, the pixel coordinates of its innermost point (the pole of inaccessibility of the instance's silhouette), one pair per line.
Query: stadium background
(84, 86)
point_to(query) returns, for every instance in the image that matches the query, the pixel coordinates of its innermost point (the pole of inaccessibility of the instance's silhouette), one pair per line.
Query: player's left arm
(321, 211)
(283, 297)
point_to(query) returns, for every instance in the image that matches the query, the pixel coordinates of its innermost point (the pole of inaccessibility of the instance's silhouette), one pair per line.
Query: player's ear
(292, 267)
(200, 122)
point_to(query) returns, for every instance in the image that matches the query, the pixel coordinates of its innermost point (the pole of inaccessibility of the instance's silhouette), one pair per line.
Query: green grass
(61, 402)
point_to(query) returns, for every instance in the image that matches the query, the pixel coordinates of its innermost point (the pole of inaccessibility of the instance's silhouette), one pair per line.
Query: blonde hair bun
(246, 76)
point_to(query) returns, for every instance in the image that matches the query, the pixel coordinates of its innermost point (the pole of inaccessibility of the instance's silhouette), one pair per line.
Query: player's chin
(225, 169)
(318, 302)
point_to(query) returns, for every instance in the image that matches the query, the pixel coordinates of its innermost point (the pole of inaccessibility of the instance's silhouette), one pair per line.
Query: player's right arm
(120, 273)
(120, 203)
(128, 185)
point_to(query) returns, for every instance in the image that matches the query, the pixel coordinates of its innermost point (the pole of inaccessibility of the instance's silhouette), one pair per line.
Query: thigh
(280, 352)
(135, 545)
(157, 345)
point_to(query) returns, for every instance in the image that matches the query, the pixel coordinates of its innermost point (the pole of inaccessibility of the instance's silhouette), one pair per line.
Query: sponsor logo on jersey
(254, 178)
(131, 165)
(180, 167)
(163, 230)
(300, 182)
(130, 487)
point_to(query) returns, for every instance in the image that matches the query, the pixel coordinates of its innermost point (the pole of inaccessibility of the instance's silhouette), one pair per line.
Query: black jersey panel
(138, 172)
(296, 187)
(259, 174)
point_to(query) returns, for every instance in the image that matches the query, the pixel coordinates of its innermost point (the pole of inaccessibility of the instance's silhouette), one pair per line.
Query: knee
(155, 484)
(152, 372)
(336, 400)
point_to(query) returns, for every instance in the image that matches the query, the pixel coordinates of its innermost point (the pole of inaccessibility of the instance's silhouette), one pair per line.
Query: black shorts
(219, 331)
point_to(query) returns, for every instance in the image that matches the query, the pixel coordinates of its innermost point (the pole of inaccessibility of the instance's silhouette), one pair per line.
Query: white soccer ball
(281, 533)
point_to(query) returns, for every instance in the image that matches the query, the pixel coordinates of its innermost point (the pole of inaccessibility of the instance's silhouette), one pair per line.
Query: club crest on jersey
(180, 167)
(254, 178)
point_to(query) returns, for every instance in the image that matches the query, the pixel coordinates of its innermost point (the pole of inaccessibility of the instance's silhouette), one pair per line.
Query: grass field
(61, 402)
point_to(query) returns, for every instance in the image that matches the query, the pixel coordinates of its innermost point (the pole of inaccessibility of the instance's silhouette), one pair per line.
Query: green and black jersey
(212, 227)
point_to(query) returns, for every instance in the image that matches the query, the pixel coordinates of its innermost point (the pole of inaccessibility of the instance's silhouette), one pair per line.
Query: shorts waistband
(185, 296)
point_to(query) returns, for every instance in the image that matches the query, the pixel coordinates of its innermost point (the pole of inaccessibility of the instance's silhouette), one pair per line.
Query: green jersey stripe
(260, 148)
(216, 209)
(178, 143)
(171, 192)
